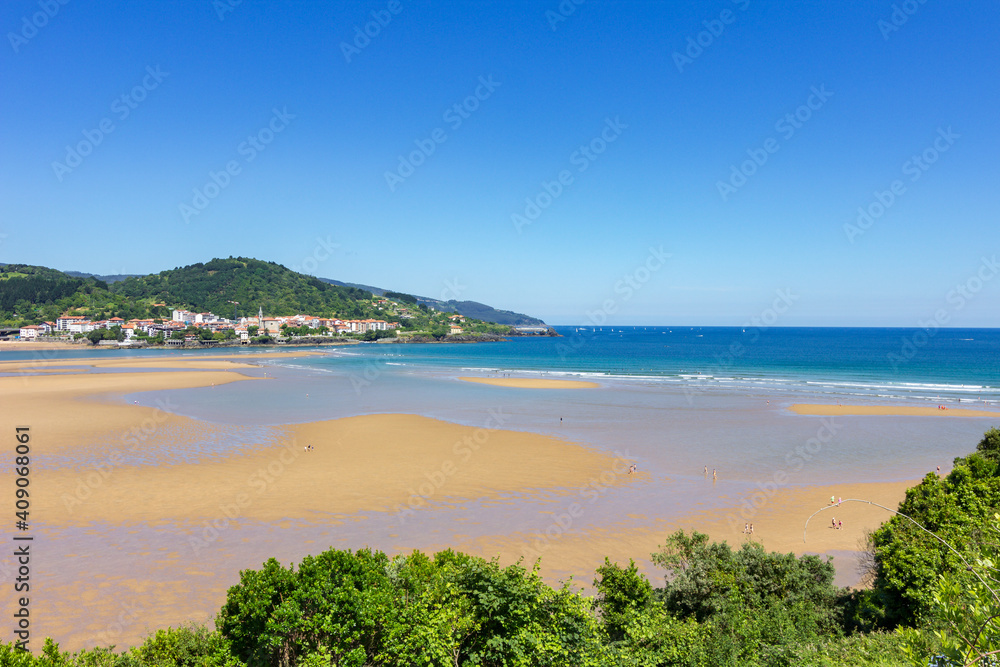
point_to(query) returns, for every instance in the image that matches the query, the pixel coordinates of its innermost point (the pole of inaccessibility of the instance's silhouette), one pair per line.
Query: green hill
(213, 286)
(32, 294)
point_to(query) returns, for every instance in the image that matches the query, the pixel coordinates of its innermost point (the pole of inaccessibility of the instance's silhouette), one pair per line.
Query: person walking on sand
(751, 529)
(833, 522)
(832, 499)
(839, 500)
(840, 524)
(715, 475)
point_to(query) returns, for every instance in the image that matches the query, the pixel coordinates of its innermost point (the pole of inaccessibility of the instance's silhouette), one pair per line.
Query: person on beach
(833, 522)
(839, 500)
(746, 528)
(715, 475)
(840, 524)
(751, 529)
(831, 500)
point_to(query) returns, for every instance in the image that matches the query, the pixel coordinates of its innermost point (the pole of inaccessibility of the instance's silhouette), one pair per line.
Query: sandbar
(384, 462)
(185, 362)
(390, 463)
(533, 383)
(887, 410)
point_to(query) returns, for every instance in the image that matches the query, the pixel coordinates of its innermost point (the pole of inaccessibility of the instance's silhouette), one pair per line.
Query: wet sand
(887, 410)
(779, 524)
(533, 383)
(187, 362)
(382, 463)
(67, 411)
(25, 345)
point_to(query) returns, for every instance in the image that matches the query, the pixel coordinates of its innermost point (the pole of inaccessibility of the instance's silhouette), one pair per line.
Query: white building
(63, 323)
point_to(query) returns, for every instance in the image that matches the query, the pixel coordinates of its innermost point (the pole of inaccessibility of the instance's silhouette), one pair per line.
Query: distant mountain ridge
(116, 278)
(473, 309)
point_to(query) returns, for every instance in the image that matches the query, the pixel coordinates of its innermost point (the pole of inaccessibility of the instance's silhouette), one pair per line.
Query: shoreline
(417, 339)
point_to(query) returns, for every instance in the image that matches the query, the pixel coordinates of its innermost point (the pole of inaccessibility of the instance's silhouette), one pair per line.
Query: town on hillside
(186, 327)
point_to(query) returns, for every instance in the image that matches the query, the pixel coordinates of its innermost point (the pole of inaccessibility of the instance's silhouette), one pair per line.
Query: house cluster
(181, 320)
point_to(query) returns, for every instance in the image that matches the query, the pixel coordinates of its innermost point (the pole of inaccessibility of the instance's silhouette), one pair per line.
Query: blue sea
(949, 365)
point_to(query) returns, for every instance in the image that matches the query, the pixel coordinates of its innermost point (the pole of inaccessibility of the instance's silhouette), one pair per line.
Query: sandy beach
(533, 383)
(779, 524)
(187, 362)
(825, 410)
(375, 462)
(412, 462)
(146, 474)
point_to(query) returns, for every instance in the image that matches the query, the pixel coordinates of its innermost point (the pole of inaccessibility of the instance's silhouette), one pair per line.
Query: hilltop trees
(909, 561)
(363, 608)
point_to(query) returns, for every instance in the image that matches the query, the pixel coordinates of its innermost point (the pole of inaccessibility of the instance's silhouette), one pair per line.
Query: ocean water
(950, 365)
(953, 365)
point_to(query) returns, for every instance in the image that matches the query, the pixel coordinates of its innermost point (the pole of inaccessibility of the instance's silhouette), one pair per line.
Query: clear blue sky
(199, 81)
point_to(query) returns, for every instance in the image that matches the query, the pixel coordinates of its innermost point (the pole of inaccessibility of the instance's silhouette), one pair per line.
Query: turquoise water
(953, 364)
(950, 364)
